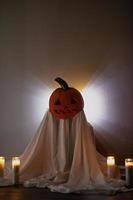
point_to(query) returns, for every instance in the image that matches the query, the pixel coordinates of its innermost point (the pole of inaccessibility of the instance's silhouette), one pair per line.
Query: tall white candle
(111, 167)
(129, 171)
(15, 167)
(2, 166)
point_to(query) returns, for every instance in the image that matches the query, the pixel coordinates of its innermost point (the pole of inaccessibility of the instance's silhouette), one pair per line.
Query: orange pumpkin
(65, 102)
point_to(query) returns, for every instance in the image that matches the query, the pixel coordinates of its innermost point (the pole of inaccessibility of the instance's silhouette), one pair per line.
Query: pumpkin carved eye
(57, 102)
(73, 101)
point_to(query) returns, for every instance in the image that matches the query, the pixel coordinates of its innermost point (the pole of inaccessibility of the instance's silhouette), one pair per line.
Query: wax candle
(2, 166)
(111, 167)
(15, 167)
(129, 171)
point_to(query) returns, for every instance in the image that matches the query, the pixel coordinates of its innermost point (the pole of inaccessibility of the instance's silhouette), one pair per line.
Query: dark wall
(89, 43)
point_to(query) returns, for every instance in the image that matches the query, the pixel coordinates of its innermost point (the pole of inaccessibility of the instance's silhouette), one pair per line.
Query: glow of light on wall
(36, 100)
(94, 104)
(42, 102)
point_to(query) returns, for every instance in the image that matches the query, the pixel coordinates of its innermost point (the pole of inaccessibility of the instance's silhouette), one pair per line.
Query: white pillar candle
(2, 166)
(111, 167)
(129, 171)
(15, 167)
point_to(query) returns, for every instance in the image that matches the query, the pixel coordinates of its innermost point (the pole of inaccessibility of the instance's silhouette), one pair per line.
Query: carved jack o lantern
(65, 102)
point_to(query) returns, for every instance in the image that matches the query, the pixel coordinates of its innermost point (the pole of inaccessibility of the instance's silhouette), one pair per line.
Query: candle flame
(110, 160)
(15, 162)
(129, 162)
(2, 160)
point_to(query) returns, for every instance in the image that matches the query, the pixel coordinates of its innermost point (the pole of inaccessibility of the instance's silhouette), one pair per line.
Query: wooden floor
(13, 193)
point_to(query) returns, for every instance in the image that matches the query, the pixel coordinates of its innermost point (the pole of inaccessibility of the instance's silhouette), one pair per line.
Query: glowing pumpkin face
(65, 102)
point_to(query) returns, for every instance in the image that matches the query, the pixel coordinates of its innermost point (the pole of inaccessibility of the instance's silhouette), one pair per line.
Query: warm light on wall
(94, 104)
(42, 102)
(35, 103)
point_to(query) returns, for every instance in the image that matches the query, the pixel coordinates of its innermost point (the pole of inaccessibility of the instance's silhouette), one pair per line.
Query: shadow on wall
(118, 142)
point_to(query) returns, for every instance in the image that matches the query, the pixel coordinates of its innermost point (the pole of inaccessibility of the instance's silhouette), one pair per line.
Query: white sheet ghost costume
(62, 156)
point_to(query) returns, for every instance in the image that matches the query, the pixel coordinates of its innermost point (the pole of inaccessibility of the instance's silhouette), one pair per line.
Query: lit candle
(2, 166)
(129, 171)
(111, 167)
(15, 167)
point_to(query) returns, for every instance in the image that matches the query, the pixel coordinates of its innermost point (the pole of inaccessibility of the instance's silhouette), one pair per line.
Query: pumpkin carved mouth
(65, 102)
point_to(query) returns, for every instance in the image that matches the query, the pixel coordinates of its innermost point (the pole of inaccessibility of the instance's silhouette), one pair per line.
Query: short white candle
(111, 167)
(2, 166)
(129, 171)
(15, 167)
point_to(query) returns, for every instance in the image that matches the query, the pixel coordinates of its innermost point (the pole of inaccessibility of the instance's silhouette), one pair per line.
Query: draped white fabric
(62, 147)
(62, 156)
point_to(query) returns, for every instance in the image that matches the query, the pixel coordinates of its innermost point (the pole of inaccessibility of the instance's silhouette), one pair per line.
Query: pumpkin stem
(62, 83)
